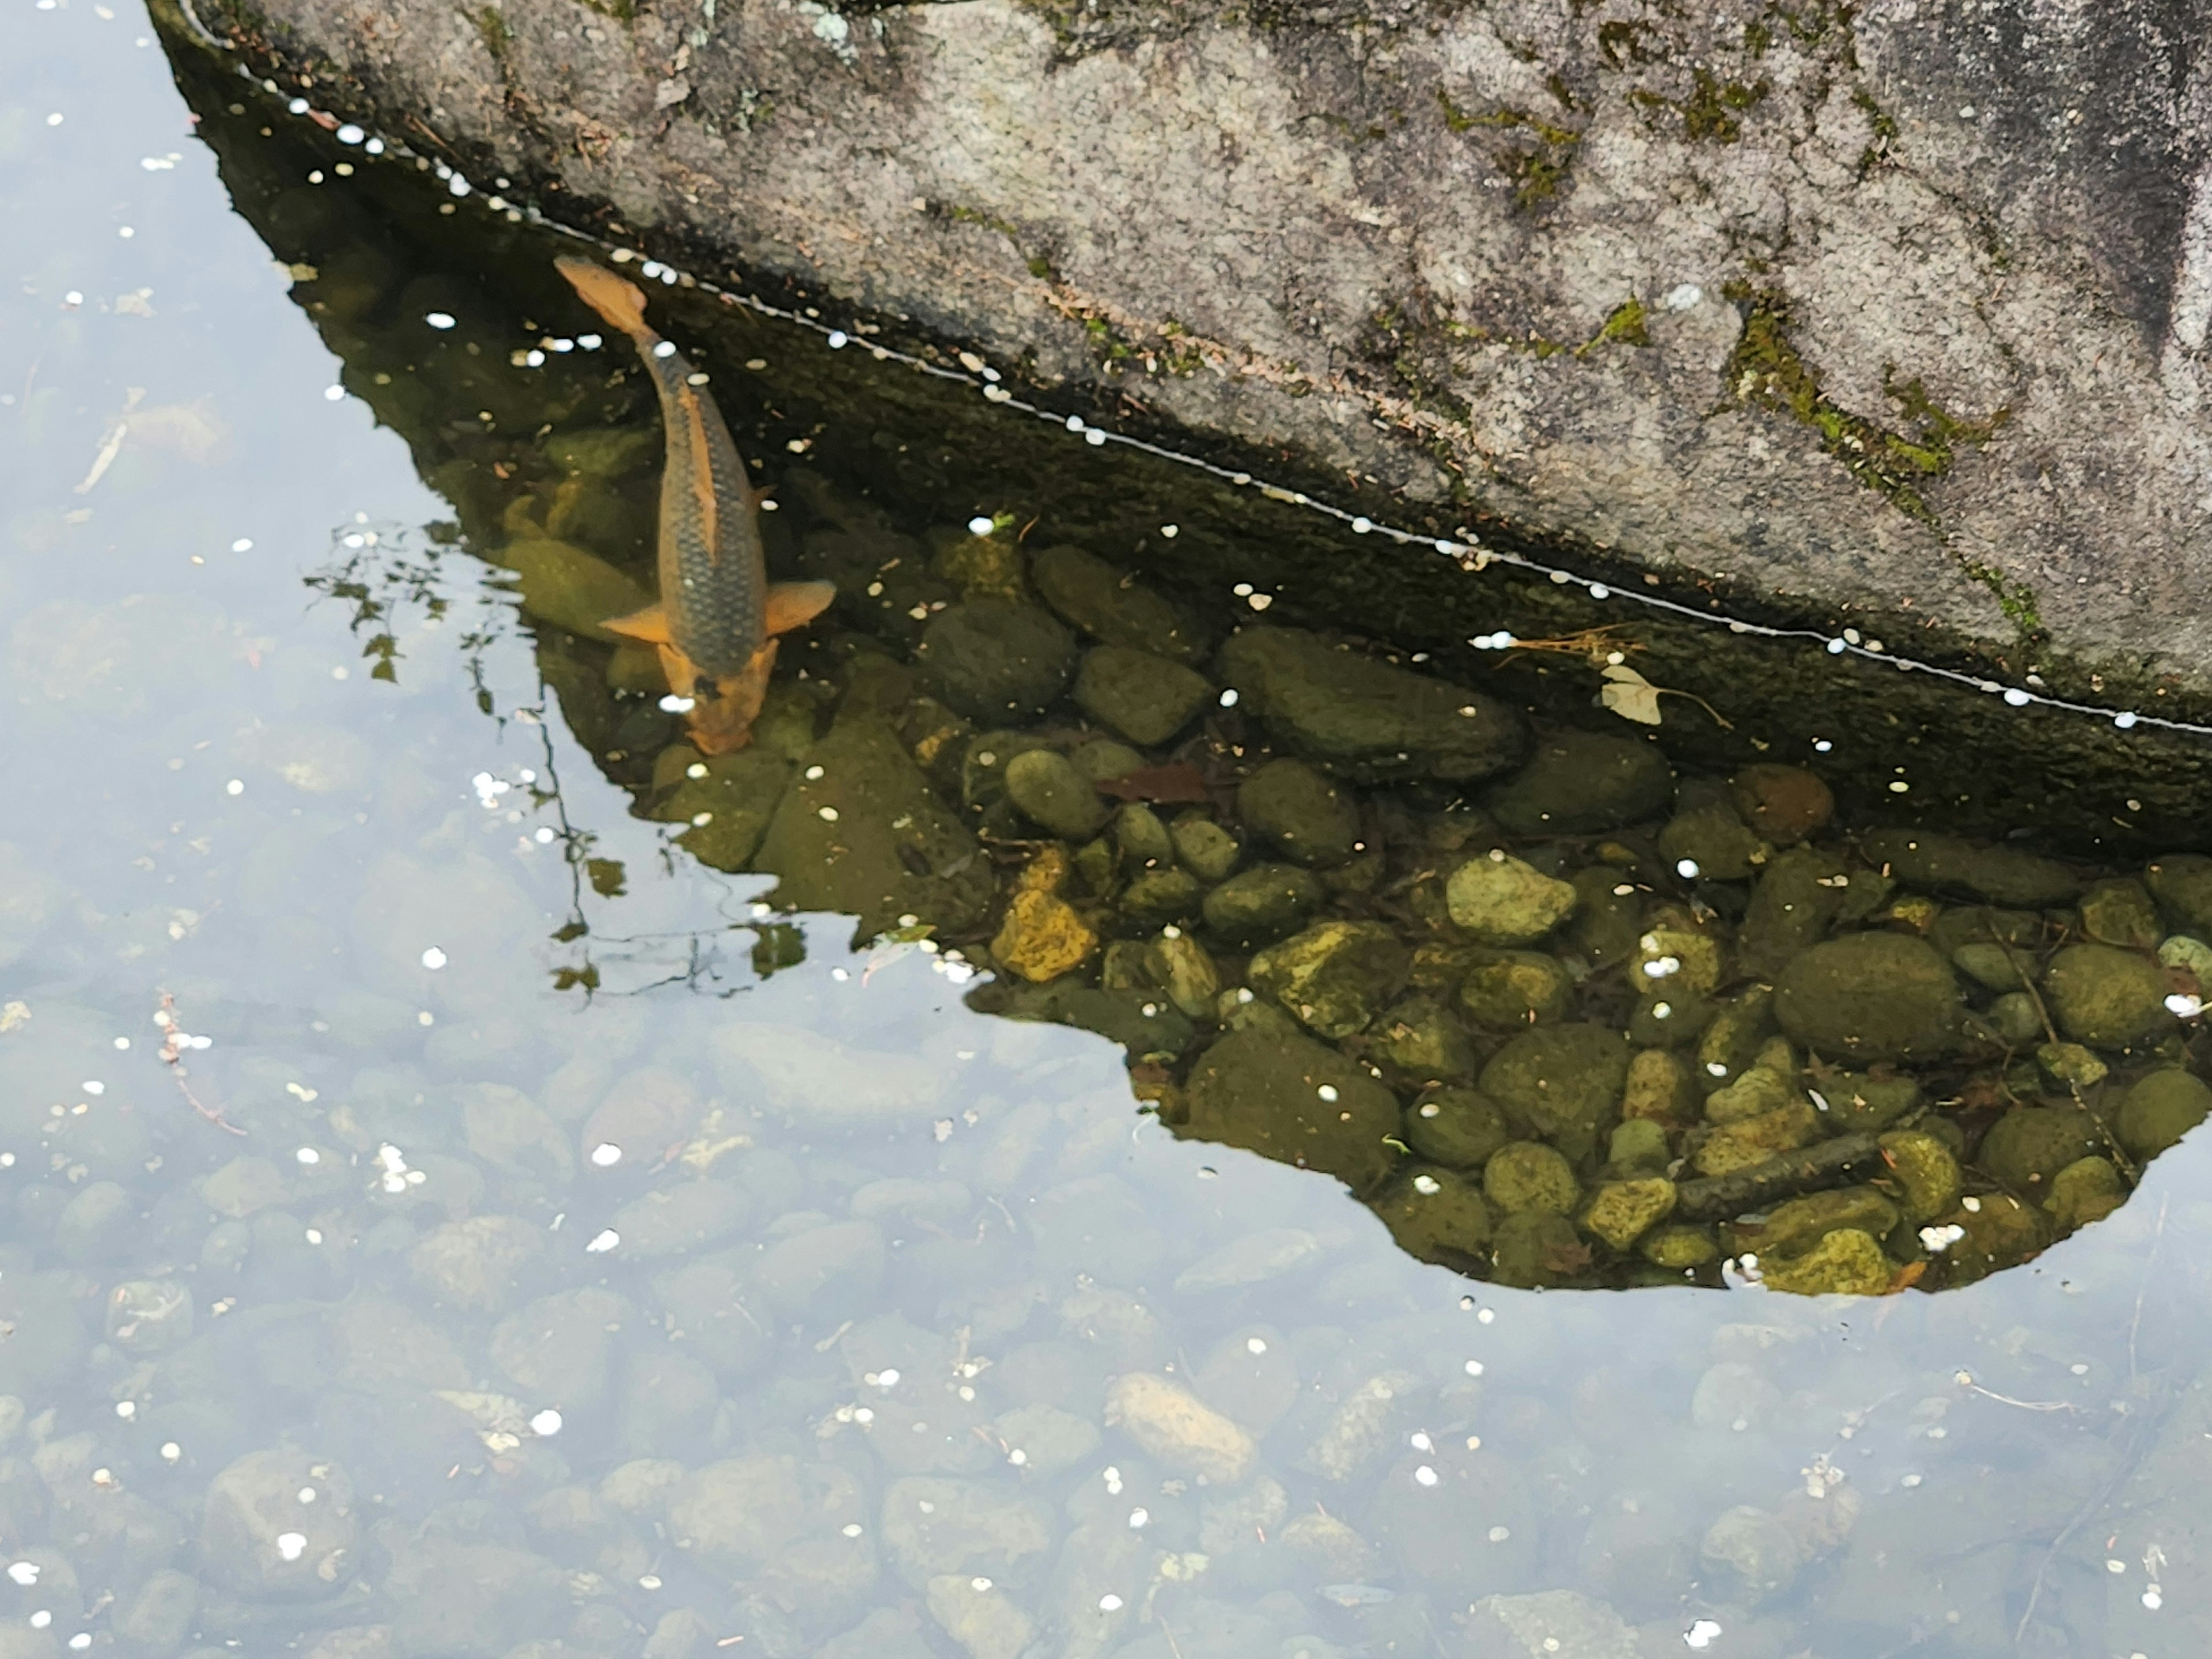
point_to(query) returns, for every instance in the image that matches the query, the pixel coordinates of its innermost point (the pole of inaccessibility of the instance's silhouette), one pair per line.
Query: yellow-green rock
(1502, 901)
(2088, 1189)
(1659, 1087)
(1185, 971)
(1334, 977)
(1423, 1039)
(1437, 1215)
(2071, 1065)
(2159, 1109)
(1460, 1128)
(727, 805)
(1507, 990)
(2106, 997)
(1680, 1245)
(1041, 937)
(1527, 1175)
(1847, 1262)
(1676, 956)
(1739, 1145)
(2121, 912)
(1999, 1230)
(1870, 996)
(1795, 1225)
(2030, 1144)
(568, 587)
(1621, 1212)
(1924, 1171)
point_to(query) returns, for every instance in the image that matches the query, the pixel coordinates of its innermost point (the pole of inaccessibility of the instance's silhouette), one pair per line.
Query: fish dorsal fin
(650, 624)
(795, 605)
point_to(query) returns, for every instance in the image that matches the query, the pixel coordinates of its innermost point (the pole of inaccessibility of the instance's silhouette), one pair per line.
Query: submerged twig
(172, 1036)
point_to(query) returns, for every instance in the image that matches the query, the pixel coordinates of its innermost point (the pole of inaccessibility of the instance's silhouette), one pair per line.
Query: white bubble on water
(434, 958)
(546, 1424)
(605, 1240)
(291, 1546)
(25, 1573)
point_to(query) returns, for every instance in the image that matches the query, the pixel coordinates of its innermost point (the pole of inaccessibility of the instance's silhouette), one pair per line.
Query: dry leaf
(1630, 695)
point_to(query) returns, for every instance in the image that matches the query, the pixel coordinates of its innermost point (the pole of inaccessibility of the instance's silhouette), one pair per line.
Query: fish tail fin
(795, 605)
(621, 303)
(650, 624)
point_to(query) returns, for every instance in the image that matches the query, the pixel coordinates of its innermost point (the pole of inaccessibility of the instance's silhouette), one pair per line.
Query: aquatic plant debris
(1464, 550)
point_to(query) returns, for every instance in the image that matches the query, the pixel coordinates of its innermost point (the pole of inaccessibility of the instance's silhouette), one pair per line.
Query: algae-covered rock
(1795, 1225)
(1040, 936)
(2159, 1109)
(1948, 863)
(1457, 1127)
(1050, 793)
(1997, 967)
(1621, 1212)
(2030, 1144)
(1527, 1175)
(1677, 955)
(1767, 1084)
(2016, 1018)
(1334, 977)
(1437, 1215)
(2105, 997)
(1308, 819)
(1739, 1145)
(726, 799)
(1565, 1080)
(603, 452)
(984, 759)
(1784, 805)
(1580, 783)
(1420, 1038)
(1535, 1248)
(1147, 698)
(1608, 917)
(1799, 896)
(1997, 1231)
(868, 838)
(1846, 1262)
(2181, 881)
(1870, 996)
(2120, 911)
(1507, 990)
(1154, 897)
(1101, 758)
(1680, 1245)
(1109, 605)
(1731, 1041)
(1144, 1023)
(1207, 851)
(992, 659)
(1262, 904)
(1659, 1087)
(1865, 1101)
(2088, 1189)
(2071, 1065)
(1637, 1143)
(1288, 1098)
(1502, 901)
(1924, 1171)
(1365, 719)
(1142, 839)
(569, 588)
(1185, 970)
(1714, 841)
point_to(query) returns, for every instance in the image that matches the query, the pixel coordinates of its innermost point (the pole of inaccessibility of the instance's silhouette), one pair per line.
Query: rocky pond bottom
(1561, 1013)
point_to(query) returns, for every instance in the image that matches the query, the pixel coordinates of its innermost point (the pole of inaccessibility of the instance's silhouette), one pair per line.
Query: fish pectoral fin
(795, 605)
(650, 624)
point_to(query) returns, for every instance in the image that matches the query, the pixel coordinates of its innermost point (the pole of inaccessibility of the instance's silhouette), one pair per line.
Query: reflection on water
(446, 1214)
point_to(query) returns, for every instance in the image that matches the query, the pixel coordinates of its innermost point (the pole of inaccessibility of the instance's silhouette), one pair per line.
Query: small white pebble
(606, 1155)
(1425, 1476)
(827, 814)
(1686, 868)
(979, 1584)
(24, 1573)
(126, 1409)
(291, 1545)
(1140, 1519)
(605, 1240)
(235, 787)
(1427, 1185)
(887, 1378)
(1474, 1367)
(850, 1530)
(546, 1424)
(1328, 1092)
(1499, 1534)
(434, 958)
(170, 1451)
(307, 1155)
(1255, 1344)
(673, 704)
(979, 526)
(1109, 1602)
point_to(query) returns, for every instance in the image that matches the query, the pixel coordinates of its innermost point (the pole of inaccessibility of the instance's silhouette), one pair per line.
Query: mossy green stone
(1142, 839)
(1795, 1225)
(1308, 819)
(2158, 1110)
(728, 810)
(1937, 863)
(1713, 838)
(1926, 1173)
(2030, 1144)
(1639, 1142)
(1621, 1212)
(2071, 1065)
(1437, 1215)
(1867, 1100)
(1536, 1248)
(1207, 851)
(1527, 1175)
(1143, 1021)
(1733, 1146)
(1565, 1080)
(1262, 1089)
(2088, 1189)
(2181, 881)
(1846, 1262)
(2120, 911)
(1110, 605)
(1870, 996)
(1507, 990)
(2105, 997)
(1151, 897)
(1261, 905)
(2015, 1019)
(1580, 783)
(1051, 793)
(1996, 966)
(1606, 922)
(1680, 1246)
(991, 658)
(1102, 758)
(2000, 1231)
(1730, 1043)
(1459, 1128)
(571, 589)
(1422, 1039)
(885, 849)
(1364, 717)
(1184, 969)
(1334, 977)
(1799, 896)
(1148, 699)
(1499, 900)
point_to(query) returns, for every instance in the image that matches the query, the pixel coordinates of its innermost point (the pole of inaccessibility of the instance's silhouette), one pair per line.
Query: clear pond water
(457, 1203)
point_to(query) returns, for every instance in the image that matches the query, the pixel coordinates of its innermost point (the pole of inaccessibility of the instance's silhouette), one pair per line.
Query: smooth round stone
(1784, 804)
(1510, 989)
(2030, 1144)
(1501, 900)
(1261, 905)
(1457, 1127)
(1049, 792)
(1148, 699)
(2106, 997)
(1565, 1079)
(2159, 1109)
(1581, 783)
(991, 658)
(1207, 851)
(1870, 996)
(1527, 1175)
(1309, 820)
